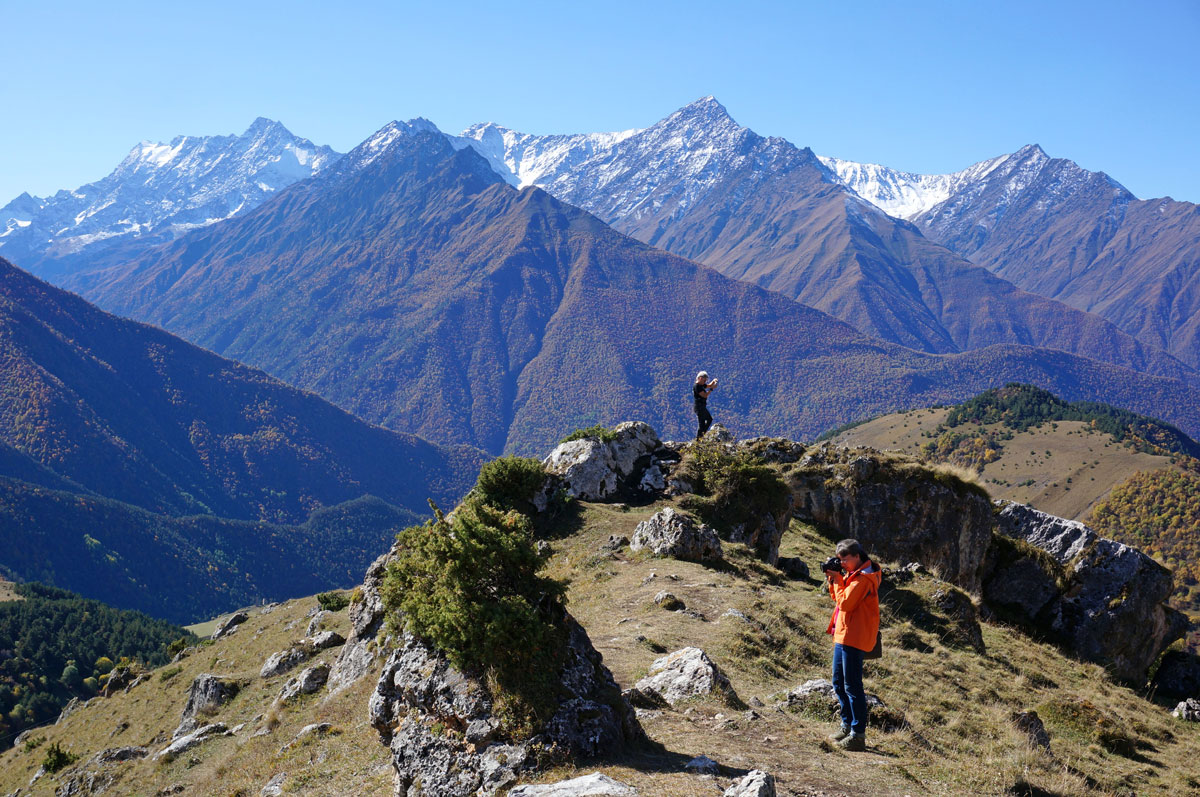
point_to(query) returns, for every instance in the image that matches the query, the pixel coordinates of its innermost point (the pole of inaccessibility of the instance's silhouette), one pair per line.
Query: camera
(832, 563)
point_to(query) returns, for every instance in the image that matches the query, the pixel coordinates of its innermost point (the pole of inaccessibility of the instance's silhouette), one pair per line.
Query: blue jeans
(848, 685)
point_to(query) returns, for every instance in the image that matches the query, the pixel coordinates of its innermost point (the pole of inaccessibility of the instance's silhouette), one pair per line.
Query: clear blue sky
(921, 86)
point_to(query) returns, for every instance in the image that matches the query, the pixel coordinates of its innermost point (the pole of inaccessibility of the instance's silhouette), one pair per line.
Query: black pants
(705, 420)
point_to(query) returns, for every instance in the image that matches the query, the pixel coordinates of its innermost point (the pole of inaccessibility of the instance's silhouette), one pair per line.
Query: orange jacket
(855, 620)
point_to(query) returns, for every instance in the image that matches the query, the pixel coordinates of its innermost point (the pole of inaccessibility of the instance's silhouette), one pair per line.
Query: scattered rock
(616, 542)
(314, 625)
(324, 640)
(958, 607)
(316, 729)
(755, 784)
(206, 694)
(818, 695)
(122, 679)
(230, 624)
(685, 673)
(593, 785)
(702, 765)
(793, 567)
(274, 787)
(644, 698)
(544, 548)
(99, 773)
(671, 533)
(653, 479)
(773, 449)
(73, 705)
(1188, 710)
(281, 662)
(586, 467)
(668, 601)
(191, 740)
(1029, 723)
(309, 681)
(719, 433)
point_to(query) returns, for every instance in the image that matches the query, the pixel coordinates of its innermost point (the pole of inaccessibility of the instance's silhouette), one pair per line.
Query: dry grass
(958, 703)
(1082, 467)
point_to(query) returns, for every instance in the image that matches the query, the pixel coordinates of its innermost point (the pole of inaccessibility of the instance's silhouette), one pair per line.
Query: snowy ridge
(906, 195)
(164, 190)
(523, 159)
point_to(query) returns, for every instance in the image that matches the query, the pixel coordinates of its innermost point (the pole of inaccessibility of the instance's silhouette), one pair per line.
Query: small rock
(671, 533)
(274, 787)
(1031, 725)
(702, 765)
(316, 729)
(616, 542)
(755, 784)
(544, 548)
(793, 567)
(668, 601)
(325, 639)
(683, 674)
(189, 741)
(309, 681)
(114, 754)
(230, 624)
(314, 625)
(281, 662)
(206, 694)
(640, 698)
(1188, 710)
(593, 785)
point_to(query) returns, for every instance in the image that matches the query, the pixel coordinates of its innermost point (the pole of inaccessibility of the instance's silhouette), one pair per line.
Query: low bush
(333, 601)
(58, 758)
(598, 432)
(470, 586)
(731, 488)
(509, 483)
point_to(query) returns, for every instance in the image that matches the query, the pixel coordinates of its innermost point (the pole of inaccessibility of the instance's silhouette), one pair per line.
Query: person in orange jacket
(854, 626)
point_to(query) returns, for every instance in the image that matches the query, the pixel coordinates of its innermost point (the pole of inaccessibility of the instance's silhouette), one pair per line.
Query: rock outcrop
(1108, 604)
(284, 660)
(685, 673)
(206, 694)
(366, 619)
(674, 534)
(446, 738)
(898, 509)
(191, 740)
(306, 683)
(229, 624)
(593, 469)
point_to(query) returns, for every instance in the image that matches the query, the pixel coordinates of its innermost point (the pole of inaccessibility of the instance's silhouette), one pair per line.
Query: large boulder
(674, 534)
(593, 469)
(1112, 607)
(685, 673)
(445, 736)
(898, 509)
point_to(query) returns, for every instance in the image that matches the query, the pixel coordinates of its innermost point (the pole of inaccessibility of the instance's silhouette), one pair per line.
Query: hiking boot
(854, 743)
(840, 734)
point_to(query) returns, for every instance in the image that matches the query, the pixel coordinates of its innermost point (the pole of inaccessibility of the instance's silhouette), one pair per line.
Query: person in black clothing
(700, 392)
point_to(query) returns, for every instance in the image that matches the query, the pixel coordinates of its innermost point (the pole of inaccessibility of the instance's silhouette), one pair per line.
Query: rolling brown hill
(1081, 238)
(415, 288)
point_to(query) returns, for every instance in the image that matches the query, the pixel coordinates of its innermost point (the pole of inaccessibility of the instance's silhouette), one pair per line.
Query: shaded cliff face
(899, 510)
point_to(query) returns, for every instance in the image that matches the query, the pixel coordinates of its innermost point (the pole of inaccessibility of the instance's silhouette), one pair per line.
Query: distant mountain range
(157, 193)
(1062, 232)
(764, 211)
(412, 285)
(129, 458)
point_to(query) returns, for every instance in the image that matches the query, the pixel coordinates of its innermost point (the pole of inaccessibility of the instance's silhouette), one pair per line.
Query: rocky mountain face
(415, 288)
(158, 192)
(1060, 231)
(763, 211)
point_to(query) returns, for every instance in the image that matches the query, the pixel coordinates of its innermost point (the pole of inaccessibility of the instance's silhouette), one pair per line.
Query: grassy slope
(1092, 460)
(959, 702)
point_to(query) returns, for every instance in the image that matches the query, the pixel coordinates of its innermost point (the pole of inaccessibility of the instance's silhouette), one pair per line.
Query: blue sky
(921, 86)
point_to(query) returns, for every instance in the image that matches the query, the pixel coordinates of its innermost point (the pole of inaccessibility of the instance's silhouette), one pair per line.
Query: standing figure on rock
(855, 629)
(700, 393)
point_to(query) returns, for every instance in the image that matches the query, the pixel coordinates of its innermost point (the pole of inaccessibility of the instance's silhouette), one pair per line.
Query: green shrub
(510, 483)
(599, 432)
(470, 586)
(57, 758)
(732, 489)
(333, 601)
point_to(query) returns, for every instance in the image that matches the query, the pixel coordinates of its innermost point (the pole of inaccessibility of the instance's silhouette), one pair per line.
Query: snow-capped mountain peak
(523, 159)
(162, 189)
